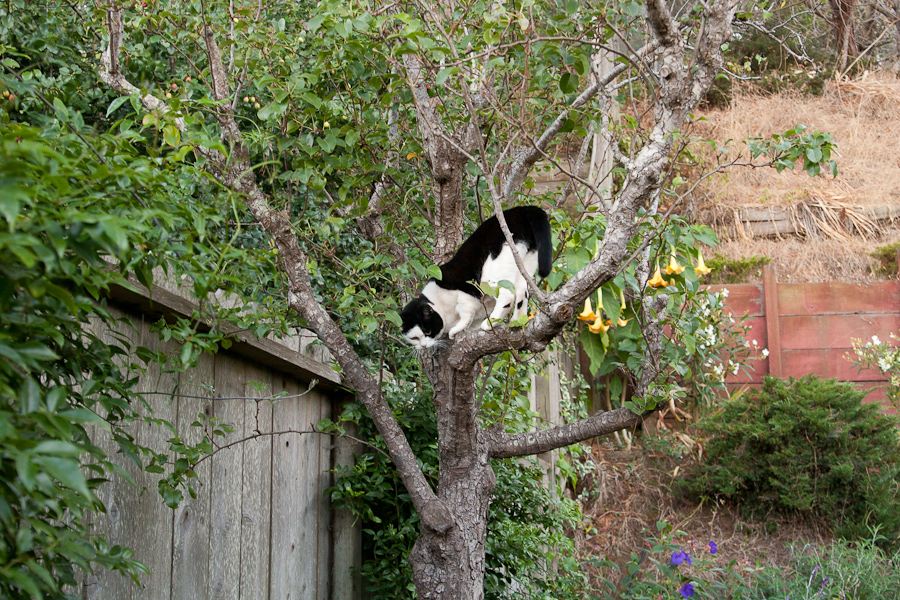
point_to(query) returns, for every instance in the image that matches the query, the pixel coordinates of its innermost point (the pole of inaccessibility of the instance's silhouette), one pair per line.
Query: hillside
(813, 228)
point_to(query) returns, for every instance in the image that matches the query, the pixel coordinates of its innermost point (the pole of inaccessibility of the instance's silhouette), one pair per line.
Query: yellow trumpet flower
(622, 297)
(673, 266)
(657, 280)
(599, 325)
(622, 322)
(588, 313)
(701, 267)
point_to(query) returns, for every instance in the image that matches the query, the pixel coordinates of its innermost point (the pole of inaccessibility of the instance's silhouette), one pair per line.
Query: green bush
(887, 259)
(807, 447)
(740, 270)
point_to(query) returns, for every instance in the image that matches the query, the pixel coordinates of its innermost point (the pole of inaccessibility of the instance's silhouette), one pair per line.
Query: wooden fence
(809, 327)
(260, 525)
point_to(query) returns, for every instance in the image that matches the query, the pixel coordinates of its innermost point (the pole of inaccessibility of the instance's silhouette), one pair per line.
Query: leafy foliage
(809, 447)
(883, 356)
(738, 270)
(670, 561)
(887, 259)
(811, 150)
(84, 203)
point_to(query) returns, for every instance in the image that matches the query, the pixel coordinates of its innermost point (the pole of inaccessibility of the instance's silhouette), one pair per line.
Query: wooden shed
(261, 525)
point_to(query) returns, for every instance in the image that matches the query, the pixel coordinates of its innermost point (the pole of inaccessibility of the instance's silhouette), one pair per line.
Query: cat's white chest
(503, 266)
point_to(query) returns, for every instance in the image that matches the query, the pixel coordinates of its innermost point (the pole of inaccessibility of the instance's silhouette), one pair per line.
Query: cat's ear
(427, 311)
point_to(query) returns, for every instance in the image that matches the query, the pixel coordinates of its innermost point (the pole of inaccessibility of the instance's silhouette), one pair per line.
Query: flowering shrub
(875, 354)
(672, 567)
(710, 344)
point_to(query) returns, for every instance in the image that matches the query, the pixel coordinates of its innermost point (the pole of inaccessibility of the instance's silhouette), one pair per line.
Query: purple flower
(679, 557)
(687, 591)
(713, 548)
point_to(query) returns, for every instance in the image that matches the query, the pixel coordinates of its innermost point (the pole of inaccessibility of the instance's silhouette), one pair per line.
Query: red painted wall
(814, 326)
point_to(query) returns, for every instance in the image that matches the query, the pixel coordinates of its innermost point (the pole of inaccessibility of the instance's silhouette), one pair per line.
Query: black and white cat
(449, 306)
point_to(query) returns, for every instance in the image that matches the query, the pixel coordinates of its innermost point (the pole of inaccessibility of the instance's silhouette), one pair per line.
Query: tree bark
(451, 564)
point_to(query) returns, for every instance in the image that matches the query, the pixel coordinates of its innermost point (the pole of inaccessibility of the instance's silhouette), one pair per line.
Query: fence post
(773, 330)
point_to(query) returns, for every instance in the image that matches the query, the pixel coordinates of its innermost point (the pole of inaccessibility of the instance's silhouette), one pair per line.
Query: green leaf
(88, 417)
(568, 83)
(115, 104)
(314, 23)
(37, 351)
(171, 135)
(393, 317)
(444, 73)
(62, 113)
(488, 289)
(57, 448)
(10, 204)
(311, 98)
(273, 109)
(29, 396)
(519, 322)
(66, 471)
(611, 305)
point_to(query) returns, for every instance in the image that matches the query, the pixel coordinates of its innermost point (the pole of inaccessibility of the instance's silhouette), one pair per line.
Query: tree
(472, 110)
(398, 117)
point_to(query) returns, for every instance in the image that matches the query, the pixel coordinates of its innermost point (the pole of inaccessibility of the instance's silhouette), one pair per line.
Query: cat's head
(421, 323)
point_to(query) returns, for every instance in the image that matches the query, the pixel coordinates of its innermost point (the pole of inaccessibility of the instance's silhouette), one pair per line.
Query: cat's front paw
(486, 325)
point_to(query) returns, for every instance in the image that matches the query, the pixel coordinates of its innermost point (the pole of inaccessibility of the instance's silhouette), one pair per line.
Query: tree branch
(529, 156)
(508, 445)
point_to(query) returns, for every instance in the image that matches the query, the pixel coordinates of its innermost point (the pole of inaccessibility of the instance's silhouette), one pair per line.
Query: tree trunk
(450, 565)
(845, 38)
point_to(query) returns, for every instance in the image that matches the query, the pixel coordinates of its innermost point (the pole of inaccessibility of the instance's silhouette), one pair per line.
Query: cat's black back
(527, 224)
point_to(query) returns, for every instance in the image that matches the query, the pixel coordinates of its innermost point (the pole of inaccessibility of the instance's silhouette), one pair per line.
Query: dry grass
(800, 261)
(632, 491)
(863, 116)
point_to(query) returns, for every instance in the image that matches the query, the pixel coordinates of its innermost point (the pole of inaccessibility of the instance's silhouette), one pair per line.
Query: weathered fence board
(260, 524)
(190, 553)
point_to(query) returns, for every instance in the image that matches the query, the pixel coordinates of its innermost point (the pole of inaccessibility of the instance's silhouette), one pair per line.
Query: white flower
(754, 343)
(735, 370)
(875, 340)
(725, 292)
(765, 352)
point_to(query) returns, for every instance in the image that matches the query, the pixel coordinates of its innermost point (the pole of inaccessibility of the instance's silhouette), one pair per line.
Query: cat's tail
(544, 239)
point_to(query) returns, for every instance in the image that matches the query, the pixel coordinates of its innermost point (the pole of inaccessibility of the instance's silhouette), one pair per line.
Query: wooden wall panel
(152, 520)
(825, 360)
(295, 465)
(323, 479)
(116, 495)
(256, 484)
(839, 298)
(833, 331)
(260, 525)
(743, 299)
(226, 479)
(191, 533)
(815, 326)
